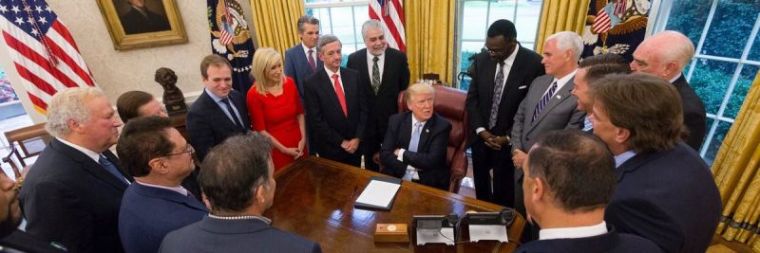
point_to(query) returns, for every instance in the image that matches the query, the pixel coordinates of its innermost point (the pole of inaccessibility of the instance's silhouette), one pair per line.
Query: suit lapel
(405, 133)
(426, 133)
(216, 112)
(349, 91)
(559, 96)
(329, 90)
(90, 166)
(490, 72)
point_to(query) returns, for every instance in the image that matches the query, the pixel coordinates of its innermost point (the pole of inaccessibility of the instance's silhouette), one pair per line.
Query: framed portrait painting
(142, 23)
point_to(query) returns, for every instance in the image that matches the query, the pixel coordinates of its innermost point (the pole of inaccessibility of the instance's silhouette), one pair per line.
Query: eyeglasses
(188, 149)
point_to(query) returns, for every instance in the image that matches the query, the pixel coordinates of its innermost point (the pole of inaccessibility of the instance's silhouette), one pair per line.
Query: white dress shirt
(573, 232)
(411, 172)
(313, 52)
(508, 62)
(380, 64)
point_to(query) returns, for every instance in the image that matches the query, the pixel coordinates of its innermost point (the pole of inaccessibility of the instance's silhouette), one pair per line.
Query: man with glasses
(500, 79)
(159, 158)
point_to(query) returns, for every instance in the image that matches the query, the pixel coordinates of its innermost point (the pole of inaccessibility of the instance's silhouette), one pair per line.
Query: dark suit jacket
(527, 66)
(215, 235)
(395, 79)
(20, 241)
(559, 113)
(431, 150)
(70, 199)
(694, 116)
(611, 242)
(668, 197)
(325, 116)
(208, 125)
(297, 66)
(148, 214)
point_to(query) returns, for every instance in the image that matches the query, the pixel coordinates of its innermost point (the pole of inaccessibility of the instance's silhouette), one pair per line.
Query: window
(333, 16)
(725, 34)
(474, 17)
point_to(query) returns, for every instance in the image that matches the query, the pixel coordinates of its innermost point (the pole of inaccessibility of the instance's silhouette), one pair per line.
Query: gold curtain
(276, 23)
(737, 173)
(430, 38)
(560, 15)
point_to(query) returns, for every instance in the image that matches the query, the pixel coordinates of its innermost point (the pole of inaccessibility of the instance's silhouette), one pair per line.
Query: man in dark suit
(665, 191)
(237, 180)
(219, 112)
(140, 19)
(569, 179)
(500, 80)
(589, 71)
(72, 193)
(159, 158)
(334, 106)
(415, 143)
(384, 72)
(301, 60)
(665, 55)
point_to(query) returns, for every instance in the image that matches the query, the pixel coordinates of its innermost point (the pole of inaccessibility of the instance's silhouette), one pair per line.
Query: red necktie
(339, 93)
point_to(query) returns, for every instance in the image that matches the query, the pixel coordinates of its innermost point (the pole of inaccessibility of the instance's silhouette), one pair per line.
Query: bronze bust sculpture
(173, 98)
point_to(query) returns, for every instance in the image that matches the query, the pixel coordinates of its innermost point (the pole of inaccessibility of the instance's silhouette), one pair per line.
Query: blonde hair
(416, 89)
(263, 60)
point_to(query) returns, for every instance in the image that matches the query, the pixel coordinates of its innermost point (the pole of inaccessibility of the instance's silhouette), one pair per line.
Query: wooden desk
(315, 198)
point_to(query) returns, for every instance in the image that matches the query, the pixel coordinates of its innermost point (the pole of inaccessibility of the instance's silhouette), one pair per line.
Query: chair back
(25, 143)
(450, 104)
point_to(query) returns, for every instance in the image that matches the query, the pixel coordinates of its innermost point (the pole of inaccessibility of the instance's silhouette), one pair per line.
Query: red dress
(278, 115)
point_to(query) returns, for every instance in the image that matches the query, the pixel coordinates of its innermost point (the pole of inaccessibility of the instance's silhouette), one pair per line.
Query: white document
(378, 194)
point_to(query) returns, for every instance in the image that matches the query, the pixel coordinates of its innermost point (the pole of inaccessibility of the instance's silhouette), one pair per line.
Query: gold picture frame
(142, 23)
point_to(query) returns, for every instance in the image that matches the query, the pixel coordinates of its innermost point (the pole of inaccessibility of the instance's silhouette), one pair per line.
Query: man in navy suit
(665, 55)
(159, 158)
(569, 179)
(237, 180)
(589, 70)
(665, 191)
(415, 143)
(72, 193)
(384, 72)
(219, 112)
(335, 106)
(501, 77)
(301, 60)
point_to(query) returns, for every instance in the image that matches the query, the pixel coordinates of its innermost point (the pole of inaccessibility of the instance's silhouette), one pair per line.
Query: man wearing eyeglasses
(501, 76)
(156, 204)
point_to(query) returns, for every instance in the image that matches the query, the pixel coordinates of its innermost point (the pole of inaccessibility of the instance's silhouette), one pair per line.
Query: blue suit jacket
(611, 242)
(148, 214)
(208, 125)
(668, 197)
(297, 66)
(215, 235)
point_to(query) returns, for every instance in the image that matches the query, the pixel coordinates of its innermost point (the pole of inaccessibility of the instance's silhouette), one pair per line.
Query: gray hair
(326, 39)
(372, 23)
(568, 40)
(69, 104)
(418, 88)
(306, 19)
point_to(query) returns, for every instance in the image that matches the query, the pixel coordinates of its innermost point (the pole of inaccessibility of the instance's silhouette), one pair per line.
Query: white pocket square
(522, 87)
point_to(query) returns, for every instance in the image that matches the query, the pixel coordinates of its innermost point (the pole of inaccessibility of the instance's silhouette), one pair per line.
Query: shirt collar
(562, 81)
(511, 58)
(213, 96)
(622, 157)
(178, 189)
(306, 49)
(91, 154)
(673, 80)
(573, 232)
(370, 55)
(414, 120)
(330, 73)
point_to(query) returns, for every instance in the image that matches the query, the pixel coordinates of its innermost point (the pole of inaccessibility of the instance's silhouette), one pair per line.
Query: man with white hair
(72, 193)
(548, 105)
(665, 55)
(384, 72)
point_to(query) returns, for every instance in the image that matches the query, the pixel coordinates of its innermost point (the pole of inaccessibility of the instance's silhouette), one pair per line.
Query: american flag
(226, 30)
(42, 49)
(391, 15)
(602, 23)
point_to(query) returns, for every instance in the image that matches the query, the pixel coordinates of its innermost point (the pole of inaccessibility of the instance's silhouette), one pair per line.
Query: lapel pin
(427, 130)
(559, 96)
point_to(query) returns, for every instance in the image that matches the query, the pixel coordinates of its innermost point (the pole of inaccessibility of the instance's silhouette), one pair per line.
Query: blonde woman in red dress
(276, 109)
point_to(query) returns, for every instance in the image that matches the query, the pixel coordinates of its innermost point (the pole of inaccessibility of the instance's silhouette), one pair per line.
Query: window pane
(469, 49)
(717, 140)
(740, 90)
(474, 25)
(324, 19)
(502, 10)
(343, 27)
(361, 15)
(689, 17)
(730, 28)
(754, 54)
(710, 80)
(528, 14)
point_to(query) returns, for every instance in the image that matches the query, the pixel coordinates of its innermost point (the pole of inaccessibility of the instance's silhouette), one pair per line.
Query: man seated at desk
(415, 143)
(238, 185)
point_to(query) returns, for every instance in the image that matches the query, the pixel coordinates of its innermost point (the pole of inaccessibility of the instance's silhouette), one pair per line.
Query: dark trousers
(370, 146)
(354, 159)
(501, 188)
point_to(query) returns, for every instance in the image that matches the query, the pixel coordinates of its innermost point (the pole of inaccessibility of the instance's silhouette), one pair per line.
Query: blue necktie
(415, 137)
(235, 119)
(544, 100)
(111, 168)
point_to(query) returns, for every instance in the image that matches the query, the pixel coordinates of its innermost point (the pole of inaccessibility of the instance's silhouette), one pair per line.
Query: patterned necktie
(497, 90)
(312, 63)
(544, 100)
(111, 168)
(339, 93)
(235, 119)
(415, 137)
(375, 75)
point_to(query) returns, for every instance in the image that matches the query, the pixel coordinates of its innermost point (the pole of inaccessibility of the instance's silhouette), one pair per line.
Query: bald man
(665, 55)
